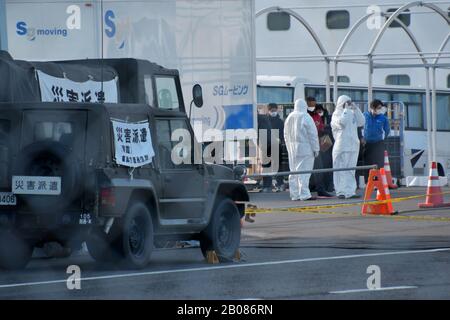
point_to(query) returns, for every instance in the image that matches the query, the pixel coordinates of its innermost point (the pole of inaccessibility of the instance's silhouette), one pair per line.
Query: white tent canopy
(371, 58)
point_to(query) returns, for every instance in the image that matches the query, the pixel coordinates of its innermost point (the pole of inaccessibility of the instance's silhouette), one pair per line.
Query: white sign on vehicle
(54, 89)
(7, 199)
(133, 143)
(36, 185)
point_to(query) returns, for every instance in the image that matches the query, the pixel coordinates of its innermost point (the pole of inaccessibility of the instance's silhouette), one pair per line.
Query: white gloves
(316, 154)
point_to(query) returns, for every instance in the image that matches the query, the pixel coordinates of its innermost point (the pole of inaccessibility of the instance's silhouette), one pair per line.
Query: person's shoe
(266, 190)
(341, 196)
(355, 196)
(324, 194)
(312, 198)
(248, 218)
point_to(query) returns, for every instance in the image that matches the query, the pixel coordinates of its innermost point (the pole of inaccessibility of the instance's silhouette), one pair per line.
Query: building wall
(428, 27)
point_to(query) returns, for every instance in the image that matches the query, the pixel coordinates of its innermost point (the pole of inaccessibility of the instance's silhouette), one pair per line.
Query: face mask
(379, 111)
(274, 114)
(311, 109)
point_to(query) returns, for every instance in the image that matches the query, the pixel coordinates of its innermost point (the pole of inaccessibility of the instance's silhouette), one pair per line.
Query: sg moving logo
(73, 22)
(22, 29)
(117, 29)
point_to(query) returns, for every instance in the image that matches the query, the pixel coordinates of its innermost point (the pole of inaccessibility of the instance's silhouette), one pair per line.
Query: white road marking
(375, 290)
(230, 266)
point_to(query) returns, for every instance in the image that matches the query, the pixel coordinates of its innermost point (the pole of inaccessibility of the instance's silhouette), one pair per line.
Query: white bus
(408, 154)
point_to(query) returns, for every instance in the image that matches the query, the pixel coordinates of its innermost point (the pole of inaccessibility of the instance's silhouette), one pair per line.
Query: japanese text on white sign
(55, 89)
(36, 185)
(133, 143)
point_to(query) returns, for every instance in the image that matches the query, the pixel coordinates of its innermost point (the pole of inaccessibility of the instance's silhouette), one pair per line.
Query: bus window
(318, 93)
(382, 95)
(443, 112)
(275, 94)
(414, 116)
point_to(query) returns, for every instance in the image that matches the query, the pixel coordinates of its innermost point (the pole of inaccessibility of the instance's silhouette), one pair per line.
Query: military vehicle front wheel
(223, 234)
(135, 243)
(15, 252)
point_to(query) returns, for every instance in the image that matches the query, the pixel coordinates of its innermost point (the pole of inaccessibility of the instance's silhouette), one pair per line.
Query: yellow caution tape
(252, 209)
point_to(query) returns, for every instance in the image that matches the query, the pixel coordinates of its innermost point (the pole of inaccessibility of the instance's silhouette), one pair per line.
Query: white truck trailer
(210, 42)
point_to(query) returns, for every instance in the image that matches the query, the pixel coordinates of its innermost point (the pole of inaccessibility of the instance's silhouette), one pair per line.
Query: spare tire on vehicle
(50, 159)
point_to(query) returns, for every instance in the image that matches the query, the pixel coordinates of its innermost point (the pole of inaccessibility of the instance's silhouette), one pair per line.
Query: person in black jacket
(318, 179)
(278, 124)
(327, 159)
(264, 124)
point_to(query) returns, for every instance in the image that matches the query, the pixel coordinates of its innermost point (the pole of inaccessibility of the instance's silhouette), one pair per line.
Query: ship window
(398, 80)
(342, 79)
(278, 21)
(403, 17)
(338, 19)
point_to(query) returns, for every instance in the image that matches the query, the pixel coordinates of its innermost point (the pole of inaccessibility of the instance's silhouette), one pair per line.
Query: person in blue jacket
(376, 130)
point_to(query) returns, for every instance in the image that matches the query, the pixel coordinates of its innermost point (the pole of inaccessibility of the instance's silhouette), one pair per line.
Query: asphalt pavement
(301, 254)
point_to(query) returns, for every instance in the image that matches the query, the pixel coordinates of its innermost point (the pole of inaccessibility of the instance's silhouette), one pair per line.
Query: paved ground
(286, 255)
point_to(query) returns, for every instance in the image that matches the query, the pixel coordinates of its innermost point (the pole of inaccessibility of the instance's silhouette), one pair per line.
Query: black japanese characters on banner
(55, 89)
(133, 144)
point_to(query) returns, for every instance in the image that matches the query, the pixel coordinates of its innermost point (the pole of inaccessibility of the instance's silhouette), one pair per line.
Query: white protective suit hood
(300, 106)
(341, 102)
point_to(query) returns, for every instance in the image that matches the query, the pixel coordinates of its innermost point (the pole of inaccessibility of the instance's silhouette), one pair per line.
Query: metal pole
(285, 173)
(428, 113)
(433, 111)
(327, 89)
(370, 85)
(3, 33)
(335, 83)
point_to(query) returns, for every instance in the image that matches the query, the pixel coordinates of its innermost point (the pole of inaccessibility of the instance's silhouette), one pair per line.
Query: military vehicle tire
(223, 233)
(134, 244)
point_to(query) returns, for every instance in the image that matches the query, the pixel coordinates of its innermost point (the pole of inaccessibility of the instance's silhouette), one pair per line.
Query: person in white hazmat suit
(344, 124)
(302, 143)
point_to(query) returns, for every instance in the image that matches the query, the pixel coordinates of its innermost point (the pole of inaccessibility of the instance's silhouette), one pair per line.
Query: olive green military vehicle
(104, 174)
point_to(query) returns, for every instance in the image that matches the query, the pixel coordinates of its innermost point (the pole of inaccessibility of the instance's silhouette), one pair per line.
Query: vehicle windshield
(167, 93)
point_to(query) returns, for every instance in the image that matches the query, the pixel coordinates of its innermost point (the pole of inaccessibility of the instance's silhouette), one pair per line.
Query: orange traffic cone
(377, 179)
(434, 194)
(387, 168)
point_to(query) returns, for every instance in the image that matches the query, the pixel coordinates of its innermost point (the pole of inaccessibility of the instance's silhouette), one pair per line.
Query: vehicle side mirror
(197, 95)
(239, 172)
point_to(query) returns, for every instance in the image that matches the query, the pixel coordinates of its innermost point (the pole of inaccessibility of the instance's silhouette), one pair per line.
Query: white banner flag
(54, 89)
(133, 143)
